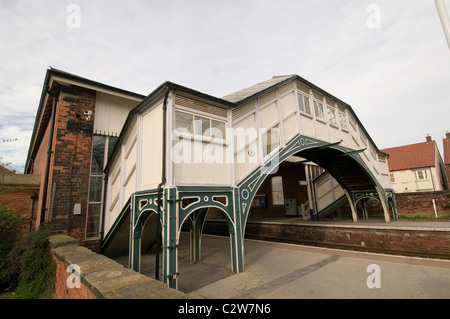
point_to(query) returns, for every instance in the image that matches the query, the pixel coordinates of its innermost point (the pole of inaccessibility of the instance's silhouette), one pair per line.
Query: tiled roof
(411, 156)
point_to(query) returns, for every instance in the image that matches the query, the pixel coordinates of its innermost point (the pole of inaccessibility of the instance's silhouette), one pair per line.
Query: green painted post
(135, 237)
(195, 233)
(364, 208)
(170, 268)
(236, 236)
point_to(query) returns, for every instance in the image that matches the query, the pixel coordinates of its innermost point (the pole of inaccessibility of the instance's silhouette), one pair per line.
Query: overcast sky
(388, 59)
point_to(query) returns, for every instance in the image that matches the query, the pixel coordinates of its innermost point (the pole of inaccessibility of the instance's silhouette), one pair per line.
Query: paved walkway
(285, 271)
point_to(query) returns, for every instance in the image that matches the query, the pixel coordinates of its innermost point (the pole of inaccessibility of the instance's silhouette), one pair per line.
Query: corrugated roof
(254, 89)
(411, 156)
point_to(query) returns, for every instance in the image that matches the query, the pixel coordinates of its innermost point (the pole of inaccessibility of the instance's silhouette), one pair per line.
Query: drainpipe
(33, 197)
(160, 186)
(49, 155)
(102, 220)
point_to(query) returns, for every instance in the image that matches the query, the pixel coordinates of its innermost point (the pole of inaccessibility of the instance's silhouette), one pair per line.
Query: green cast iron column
(170, 248)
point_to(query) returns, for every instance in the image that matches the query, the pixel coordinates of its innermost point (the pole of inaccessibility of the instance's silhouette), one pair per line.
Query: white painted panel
(245, 161)
(335, 134)
(130, 159)
(244, 132)
(268, 116)
(111, 216)
(322, 130)
(287, 104)
(115, 188)
(346, 139)
(338, 191)
(151, 148)
(200, 163)
(110, 113)
(307, 125)
(130, 185)
(290, 127)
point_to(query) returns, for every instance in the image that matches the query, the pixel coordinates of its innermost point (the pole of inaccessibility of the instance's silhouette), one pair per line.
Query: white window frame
(424, 175)
(303, 96)
(318, 110)
(194, 128)
(331, 114)
(264, 147)
(97, 175)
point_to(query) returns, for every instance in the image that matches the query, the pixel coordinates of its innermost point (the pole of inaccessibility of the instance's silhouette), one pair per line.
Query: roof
(52, 78)
(257, 88)
(412, 156)
(446, 143)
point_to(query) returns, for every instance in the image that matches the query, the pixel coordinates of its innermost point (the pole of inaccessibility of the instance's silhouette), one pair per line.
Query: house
(446, 146)
(417, 167)
(77, 124)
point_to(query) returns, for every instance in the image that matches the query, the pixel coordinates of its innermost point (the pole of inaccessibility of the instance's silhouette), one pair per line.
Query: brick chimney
(428, 137)
(447, 135)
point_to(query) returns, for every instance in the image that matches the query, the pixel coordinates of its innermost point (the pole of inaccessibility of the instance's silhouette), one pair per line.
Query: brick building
(446, 144)
(19, 193)
(79, 121)
(417, 167)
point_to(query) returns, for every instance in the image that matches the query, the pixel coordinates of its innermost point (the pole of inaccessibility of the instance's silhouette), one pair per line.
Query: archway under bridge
(192, 202)
(345, 165)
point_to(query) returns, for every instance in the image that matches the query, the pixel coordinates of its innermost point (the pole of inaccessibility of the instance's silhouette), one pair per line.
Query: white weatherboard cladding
(327, 191)
(152, 148)
(290, 127)
(204, 164)
(287, 104)
(110, 113)
(268, 116)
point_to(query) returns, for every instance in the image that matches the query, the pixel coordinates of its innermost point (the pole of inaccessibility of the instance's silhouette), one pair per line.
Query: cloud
(395, 77)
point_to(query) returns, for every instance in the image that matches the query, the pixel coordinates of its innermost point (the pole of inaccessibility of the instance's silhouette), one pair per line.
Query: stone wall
(95, 276)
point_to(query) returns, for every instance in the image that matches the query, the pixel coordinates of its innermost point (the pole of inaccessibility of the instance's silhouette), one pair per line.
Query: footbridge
(182, 153)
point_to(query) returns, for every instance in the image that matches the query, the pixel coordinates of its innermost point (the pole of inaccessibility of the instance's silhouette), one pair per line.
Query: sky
(388, 59)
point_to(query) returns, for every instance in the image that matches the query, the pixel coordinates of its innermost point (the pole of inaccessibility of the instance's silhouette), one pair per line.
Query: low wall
(410, 241)
(16, 191)
(421, 204)
(95, 276)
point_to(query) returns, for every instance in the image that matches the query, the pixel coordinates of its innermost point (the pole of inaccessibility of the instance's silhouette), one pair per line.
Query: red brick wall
(18, 199)
(70, 165)
(421, 204)
(408, 241)
(39, 165)
(62, 290)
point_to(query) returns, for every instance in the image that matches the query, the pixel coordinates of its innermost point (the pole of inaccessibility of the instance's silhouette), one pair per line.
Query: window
(303, 103)
(331, 115)
(183, 123)
(217, 129)
(199, 125)
(318, 109)
(270, 140)
(421, 175)
(392, 178)
(342, 119)
(102, 147)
